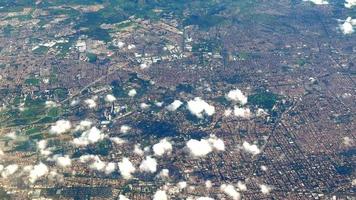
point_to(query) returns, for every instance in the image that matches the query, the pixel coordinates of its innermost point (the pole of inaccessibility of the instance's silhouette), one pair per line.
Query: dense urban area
(183, 99)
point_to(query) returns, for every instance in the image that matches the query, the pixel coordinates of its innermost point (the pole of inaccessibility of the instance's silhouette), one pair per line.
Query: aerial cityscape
(177, 99)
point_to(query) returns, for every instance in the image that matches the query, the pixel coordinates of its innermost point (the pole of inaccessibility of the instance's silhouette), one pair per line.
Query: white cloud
(9, 170)
(110, 98)
(182, 185)
(347, 141)
(230, 191)
(216, 143)
(138, 150)
(236, 96)
(164, 173)
(264, 168)
(251, 148)
(350, 3)
(83, 125)
(160, 195)
(61, 126)
(347, 26)
(199, 148)
(174, 105)
(125, 129)
(90, 136)
(149, 165)
(144, 106)
(208, 184)
(90, 103)
(42, 146)
(110, 168)
(63, 161)
(241, 186)
(164, 146)
(318, 2)
(122, 197)
(126, 168)
(242, 112)
(117, 140)
(199, 107)
(265, 189)
(204, 198)
(37, 172)
(50, 104)
(132, 93)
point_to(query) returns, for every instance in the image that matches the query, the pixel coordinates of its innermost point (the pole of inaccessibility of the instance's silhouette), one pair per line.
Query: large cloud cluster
(199, 107)
(200, 148)
(242, 112)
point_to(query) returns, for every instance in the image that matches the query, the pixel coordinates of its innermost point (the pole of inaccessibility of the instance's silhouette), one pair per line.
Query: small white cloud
(138, 150)
(125, 129)
(236, 96)
(347, 141)
(241, 186)
(199, 107)
(126, 168)
(182, 184)
(90, 103)
(63, 161)
(347, 26)
(264, 168)
(242, 112)
(230, 191)
(200, 148)
(217, 144)
(149, 165)
(42, 146)
(110, 98)
(122, 197)
(318, 2)
(204, 198)
(174, 105)
(97, 164)
(160, 195)
(83, 125)
(164, 146)
(90, 136)
(37, 172)
(144, 106)
(164, 173)
(132, 93)
(265, 189)
(110, 168)
(117, 140)
(208, 184)
(61, 126)
(251, 148)
(350, 3)
(50, 104)
(9, 170)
